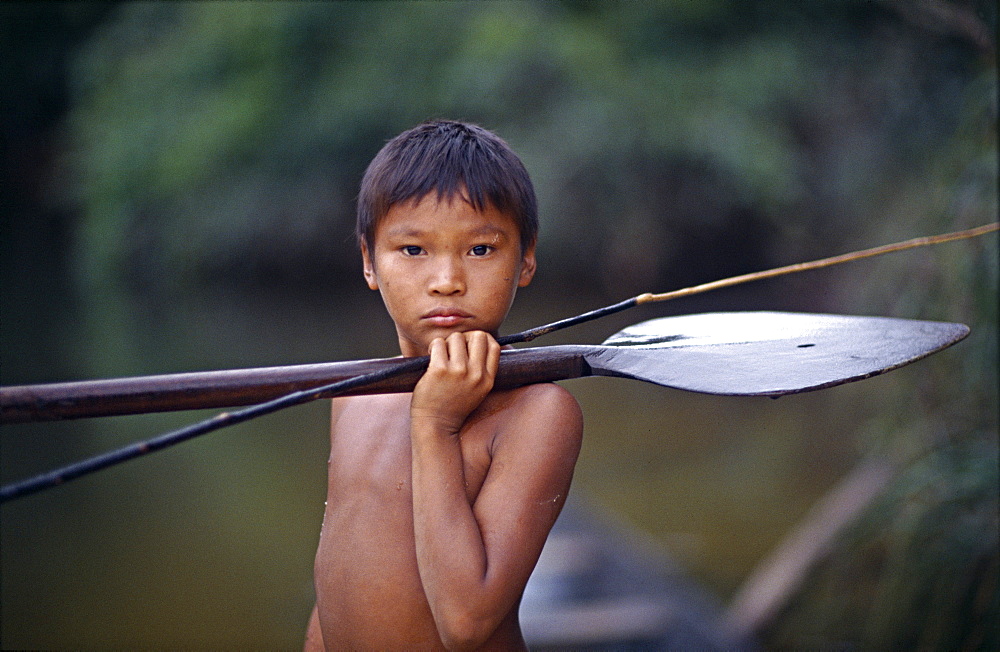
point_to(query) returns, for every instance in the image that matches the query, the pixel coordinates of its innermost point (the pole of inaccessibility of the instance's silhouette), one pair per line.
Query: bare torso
(368, 589)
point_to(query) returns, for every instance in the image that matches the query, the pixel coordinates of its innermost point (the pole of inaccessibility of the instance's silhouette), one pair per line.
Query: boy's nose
(448, 279)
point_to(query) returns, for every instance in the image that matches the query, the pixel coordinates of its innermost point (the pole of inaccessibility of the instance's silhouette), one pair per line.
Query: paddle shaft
(238, 387)
(518, 368)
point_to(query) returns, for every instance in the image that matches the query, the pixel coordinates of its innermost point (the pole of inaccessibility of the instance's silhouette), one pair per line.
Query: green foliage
(920, 571)
(220, 141)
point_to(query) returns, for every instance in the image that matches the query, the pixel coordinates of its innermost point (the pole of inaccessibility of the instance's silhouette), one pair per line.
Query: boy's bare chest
(370, 451)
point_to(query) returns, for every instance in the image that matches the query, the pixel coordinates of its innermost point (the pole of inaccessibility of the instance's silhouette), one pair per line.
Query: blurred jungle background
(178, 186)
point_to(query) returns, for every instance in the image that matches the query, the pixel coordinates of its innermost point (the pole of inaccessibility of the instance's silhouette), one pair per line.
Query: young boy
(439, 501)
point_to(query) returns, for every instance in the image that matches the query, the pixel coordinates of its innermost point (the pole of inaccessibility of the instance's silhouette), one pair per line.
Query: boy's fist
(458, 378)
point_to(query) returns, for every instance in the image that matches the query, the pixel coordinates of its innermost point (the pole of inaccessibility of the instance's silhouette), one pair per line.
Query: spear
(700, 347)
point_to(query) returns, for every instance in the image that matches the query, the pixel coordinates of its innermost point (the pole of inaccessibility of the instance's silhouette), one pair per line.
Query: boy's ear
(527, 266)
(369, 268)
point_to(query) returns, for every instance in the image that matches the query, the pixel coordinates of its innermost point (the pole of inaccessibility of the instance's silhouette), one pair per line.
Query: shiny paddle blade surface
(767, 353)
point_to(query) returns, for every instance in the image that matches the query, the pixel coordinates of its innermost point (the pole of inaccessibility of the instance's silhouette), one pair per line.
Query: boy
(439, 501)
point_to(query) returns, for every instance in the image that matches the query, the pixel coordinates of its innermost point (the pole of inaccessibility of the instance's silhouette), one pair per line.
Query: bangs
(448, 158)
(451, 166)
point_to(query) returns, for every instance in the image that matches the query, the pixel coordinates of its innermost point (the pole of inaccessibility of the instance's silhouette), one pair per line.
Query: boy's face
(443, 267)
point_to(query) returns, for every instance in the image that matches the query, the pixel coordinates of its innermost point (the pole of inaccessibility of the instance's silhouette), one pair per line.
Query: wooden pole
(239, 387)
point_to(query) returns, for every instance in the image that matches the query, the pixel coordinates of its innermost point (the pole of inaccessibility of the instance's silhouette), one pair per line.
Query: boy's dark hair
(449, 157)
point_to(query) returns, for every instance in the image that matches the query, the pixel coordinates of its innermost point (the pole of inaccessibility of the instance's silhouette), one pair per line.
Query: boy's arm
(474, 560)
(314, 636)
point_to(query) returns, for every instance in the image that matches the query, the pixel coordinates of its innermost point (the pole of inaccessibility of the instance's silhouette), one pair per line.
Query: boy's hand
(458, 378)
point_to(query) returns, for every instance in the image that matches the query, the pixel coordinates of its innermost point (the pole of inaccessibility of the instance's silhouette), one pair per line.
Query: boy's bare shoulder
(547, 397)
(538, 408)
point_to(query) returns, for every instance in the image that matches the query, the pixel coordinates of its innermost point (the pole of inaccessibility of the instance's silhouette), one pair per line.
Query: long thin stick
(528, 335)
(817, 264)
(90, 465)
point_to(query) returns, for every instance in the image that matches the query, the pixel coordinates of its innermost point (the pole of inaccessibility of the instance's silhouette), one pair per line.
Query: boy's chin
(417, 346)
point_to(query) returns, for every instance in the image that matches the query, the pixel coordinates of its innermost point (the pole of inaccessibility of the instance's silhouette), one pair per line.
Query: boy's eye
(411, 250)
(481, 250)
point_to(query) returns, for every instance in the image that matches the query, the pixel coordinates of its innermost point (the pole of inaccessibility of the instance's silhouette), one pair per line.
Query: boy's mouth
(446, 317)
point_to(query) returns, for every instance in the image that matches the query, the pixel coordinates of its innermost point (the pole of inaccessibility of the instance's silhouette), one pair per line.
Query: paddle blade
(767, 353)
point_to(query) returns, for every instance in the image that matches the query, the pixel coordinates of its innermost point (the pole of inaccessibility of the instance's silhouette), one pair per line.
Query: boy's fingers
(458, 353)
(484, 356)
(480, 344)
(493, 359)
(466, 352)
(438, 351)
(477, 347)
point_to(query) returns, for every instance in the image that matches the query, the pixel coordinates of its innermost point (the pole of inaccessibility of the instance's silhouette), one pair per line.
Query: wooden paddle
(738, 353)
(715, 353)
